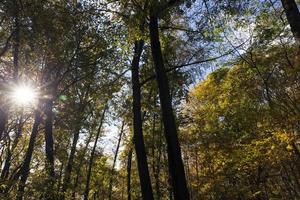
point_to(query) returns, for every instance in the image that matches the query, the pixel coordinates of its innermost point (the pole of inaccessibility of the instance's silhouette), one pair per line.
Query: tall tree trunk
(49, 138)
(79, 166)
(24, 171)
(142, 163)
(176, 167)
(112, 174)
(129, 159)
(3, 119)
(156, 159)
(69, 166)
(49, 163)
(157, 164)
(169, 181)
(293, 17)
(7, 163)
(188, 173)
(51, 90)
(88, 179)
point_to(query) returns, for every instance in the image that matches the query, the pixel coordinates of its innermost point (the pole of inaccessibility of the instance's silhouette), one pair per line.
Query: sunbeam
(23, 95)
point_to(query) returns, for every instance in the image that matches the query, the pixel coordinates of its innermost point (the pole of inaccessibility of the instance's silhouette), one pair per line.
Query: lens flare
(23, 95)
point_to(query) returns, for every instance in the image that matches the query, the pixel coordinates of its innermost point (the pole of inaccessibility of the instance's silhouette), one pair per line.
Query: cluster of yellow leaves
(237, 132)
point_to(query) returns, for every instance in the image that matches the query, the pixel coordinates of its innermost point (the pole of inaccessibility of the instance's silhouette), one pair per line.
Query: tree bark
(3, 120)
(157, 160)
(293, 17)
(49, 138)
(24, 171)
(79, 167)
(140, 150)
(69, 166)
(87, 186)
(176, 167)
(129, 159)
(49, 163)
(7, 163)
(114, 162)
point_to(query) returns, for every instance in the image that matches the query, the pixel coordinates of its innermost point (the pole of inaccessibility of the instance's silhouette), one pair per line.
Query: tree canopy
(152, 100)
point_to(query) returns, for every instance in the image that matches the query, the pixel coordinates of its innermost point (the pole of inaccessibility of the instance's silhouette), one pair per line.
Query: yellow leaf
(289, 147)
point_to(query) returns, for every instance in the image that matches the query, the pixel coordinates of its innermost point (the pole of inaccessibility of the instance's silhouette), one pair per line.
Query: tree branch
(192, 63)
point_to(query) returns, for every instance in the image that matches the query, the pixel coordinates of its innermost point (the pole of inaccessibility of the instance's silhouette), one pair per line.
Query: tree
(235, 128)
(87, 186)
(207, 93)
(293, 17)
(174, 153)
(137, 124)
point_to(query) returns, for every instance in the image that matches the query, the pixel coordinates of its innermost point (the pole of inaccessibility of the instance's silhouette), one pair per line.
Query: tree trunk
(24, 171)
(69, 166)
(157, 164)
(49, 138)
(129, 159)
(79, 166)
(3, 120)
(293, 17)
(49, 148)
(7, 163)
(87, 186)
(156, 144)
(176, 167)
(142, 163)
(114, 162)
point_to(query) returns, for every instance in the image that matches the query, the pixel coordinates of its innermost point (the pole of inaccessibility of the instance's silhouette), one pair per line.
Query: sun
(23, 95)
